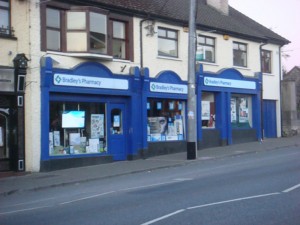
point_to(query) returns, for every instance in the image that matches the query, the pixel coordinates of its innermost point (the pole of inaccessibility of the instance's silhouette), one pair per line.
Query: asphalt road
(261, 188)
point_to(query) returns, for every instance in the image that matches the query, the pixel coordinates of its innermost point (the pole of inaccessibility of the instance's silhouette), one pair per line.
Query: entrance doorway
(5, 163)
(117, 131)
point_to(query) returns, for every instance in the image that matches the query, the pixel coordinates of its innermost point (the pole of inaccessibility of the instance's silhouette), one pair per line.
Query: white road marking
(292, 188)
(164, 217)
(148, 186)
(24, 210)
(233, 200)
(88, 197)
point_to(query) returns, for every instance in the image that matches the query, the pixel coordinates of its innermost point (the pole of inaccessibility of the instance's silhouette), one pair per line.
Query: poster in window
(1, 138)
(74, 138)
(171, 105)
(97, 125)
(158, 125)
(243, 111)
(205, 110)
(94, 145)
(158, 105)
(233, 110)
(116, 121)
(56, 135)
(51, 147)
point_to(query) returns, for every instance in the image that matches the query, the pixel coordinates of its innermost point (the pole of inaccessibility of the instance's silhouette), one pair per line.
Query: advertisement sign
(89, 82)
(168, 88)
(205, 110)
(97, 125)
(229, 83)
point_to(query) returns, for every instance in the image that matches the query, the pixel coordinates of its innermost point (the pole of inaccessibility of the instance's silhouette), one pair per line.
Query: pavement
(21, 182)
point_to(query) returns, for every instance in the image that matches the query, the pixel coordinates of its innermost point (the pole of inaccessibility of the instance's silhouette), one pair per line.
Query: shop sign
(229, 83)
(168, 88)
(7, 80)
(89, 82)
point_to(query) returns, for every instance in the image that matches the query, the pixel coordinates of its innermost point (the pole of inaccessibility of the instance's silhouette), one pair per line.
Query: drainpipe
(141, 42)
(280, 74)
(261, 93)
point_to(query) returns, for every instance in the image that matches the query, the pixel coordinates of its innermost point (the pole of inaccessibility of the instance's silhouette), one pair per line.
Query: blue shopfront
(229, 108)
(164, 113)
(89, 115)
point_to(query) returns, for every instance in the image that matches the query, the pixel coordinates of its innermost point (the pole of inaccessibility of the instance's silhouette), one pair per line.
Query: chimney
(220, 5)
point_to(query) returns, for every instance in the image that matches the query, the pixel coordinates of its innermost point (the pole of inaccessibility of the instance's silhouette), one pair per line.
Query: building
(107, 80)
(14, 50)
(290, 92)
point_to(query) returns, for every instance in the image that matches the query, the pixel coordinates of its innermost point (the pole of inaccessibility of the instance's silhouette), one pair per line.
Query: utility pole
(192, 100)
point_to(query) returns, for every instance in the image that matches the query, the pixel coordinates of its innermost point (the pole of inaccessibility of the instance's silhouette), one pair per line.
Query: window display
(165, 120)
(77, 128)
(241, 112)
(208, 110)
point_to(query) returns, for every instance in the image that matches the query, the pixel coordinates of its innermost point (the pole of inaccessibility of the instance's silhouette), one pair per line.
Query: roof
(177, 11)
(293, 74)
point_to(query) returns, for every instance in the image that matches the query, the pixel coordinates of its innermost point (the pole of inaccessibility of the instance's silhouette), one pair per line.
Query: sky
(282, 17)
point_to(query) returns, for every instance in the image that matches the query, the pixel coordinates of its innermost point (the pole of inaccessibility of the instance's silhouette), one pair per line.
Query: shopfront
(87, 116)
(230, 108)
(165, 114)
(12, 84)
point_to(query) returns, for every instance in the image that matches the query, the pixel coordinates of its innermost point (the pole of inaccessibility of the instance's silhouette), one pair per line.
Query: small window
(167, 42)
(5, 27)
(239, 54)
(53, 29)
(266, 61)
(205, 49)
(119, 40)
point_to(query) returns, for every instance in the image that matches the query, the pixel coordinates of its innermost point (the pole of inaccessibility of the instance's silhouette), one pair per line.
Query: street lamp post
(192, 100)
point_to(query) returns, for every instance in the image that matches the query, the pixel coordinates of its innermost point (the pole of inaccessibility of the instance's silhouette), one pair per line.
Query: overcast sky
(282, 16)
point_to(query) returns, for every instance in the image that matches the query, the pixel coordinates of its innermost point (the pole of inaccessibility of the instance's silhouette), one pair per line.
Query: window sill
(83, 55)
(241, 68)
(269, 74)
(168, 58)
(2, 36)
(122, 60)
(206, 63)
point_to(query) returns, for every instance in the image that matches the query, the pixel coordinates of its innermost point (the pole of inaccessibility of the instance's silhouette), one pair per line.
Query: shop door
(270, 125)
(118, 131)
(5, 163)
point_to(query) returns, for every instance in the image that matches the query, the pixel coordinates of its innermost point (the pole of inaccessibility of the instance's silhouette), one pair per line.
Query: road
(257, 188)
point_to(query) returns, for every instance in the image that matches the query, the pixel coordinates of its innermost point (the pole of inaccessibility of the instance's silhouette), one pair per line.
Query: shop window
(241, 111)
(266, 61)
(167, 42)
(205, 49)
(77, 128)
(166, 121)
(239, 54)
(86, 30)
(208, 110)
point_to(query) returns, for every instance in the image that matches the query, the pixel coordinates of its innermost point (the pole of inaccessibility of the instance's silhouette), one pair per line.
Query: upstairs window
(266, 61)
(205, 49)
(167, 42)
(53, 29)
(239, 54)
(87, 30)
(5, 26)
(119, 39)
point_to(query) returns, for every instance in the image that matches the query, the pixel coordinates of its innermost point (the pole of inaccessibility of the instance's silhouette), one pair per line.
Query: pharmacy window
(77, 128)
(239, 54)
(167, 42)
(166, 120)
(205, 49)
(241, 111)
(208, 114)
